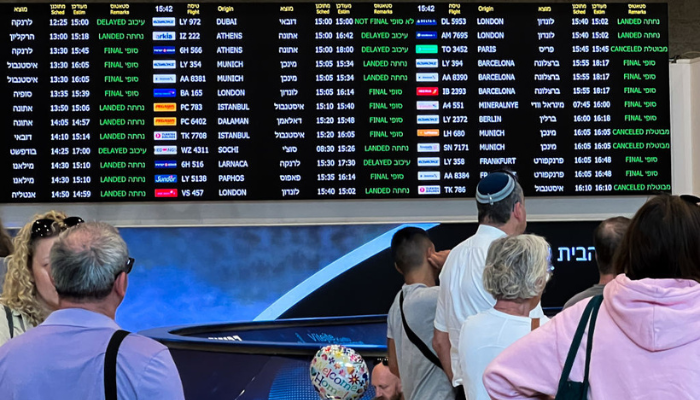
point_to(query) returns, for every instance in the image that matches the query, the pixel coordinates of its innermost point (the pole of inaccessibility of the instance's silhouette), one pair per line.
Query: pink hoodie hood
(655, 314)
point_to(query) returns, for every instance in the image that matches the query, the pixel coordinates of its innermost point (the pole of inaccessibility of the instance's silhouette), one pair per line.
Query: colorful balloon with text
(339, 373)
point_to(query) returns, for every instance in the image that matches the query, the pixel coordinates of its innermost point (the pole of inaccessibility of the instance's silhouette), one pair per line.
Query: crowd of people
(467, 323)
(490, 338)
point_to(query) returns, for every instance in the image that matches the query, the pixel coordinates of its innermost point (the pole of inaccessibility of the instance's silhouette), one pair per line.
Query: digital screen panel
(269, 101)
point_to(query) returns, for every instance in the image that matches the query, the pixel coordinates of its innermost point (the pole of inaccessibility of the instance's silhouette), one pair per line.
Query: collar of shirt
(492, 231)
(80, 317)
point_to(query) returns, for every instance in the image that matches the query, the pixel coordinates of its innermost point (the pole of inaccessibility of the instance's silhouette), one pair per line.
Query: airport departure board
(270, 101)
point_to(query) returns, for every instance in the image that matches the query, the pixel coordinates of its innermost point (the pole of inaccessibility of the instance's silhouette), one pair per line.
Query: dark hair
(606, 238)
(6, 247)
(408, 248)
(499, 213)
(662, 242)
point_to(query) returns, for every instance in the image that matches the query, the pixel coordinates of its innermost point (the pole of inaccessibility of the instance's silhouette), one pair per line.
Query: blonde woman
(28, 295)
(517, 270)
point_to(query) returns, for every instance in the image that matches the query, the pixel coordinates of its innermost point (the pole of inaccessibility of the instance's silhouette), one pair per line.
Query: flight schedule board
(270, 101)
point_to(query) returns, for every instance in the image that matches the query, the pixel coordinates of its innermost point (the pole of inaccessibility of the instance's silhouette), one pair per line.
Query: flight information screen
(269, 101)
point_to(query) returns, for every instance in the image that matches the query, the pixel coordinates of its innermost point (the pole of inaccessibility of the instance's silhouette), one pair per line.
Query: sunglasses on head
(384, 361)
(48, 227)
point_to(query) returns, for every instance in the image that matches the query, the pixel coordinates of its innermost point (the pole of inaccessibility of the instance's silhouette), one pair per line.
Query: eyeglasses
(129, 265)
(48, 227)
(691, 199)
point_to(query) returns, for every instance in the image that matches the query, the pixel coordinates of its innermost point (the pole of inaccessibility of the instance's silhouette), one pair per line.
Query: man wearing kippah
(501, 207)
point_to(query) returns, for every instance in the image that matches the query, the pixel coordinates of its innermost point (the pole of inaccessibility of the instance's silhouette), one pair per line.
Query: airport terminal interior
(258, 157)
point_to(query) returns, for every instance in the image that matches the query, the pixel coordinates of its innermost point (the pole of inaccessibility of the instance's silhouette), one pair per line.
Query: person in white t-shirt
(517, 270)
(501, 208)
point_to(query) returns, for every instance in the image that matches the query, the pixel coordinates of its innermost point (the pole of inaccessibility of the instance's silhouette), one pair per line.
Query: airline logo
(426, 49)
(164, 107)
(428, 147)
(426, 35)
(164, 78)
(427, 91)
(428, 161)
(426, 63)
(163, 150)
(428, 119)
(428, 175)
(170, 121)
(166, 192)
(163, 21)
(166, 178)
(429, 189)
(164, 93)
(166, 164)
(163, 64)
(429, 132)
(426, 22)
(427, 105)
(163, 36)
(169, 135)
(163, 49)
(427, 77)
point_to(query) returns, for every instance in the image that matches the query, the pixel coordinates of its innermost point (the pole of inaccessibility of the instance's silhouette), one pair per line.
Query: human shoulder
(479, 242)
(425, 294)
(139, 351)
(142, 344)
(158, 378)
(590, 292)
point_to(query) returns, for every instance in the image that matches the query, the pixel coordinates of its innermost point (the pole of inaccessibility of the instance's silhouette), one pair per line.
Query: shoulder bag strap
(589, 348)
(10, 321)
(592, 305)
(110, 378)
(416, 340)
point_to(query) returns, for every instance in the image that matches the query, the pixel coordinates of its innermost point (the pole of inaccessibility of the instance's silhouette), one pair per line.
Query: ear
(430, 251)
(121, 283)
(518, 211)
(397, 268)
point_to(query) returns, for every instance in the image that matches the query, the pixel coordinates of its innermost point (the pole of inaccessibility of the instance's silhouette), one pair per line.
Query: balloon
(338, 373)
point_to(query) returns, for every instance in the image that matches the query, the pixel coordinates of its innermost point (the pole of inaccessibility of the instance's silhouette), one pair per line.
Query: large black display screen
(267, 101)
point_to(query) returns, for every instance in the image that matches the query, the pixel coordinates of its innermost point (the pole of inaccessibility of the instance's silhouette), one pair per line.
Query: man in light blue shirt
(64, 357)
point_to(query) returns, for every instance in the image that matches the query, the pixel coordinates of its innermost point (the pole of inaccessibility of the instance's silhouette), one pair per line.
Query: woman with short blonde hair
(517, 270)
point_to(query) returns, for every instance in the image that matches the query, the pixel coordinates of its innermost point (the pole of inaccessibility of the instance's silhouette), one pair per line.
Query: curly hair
(517, 267)
(19, 291)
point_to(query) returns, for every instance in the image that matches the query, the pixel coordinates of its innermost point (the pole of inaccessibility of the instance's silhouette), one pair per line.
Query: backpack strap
(10, 321)
(416, 340)
(110, 378)
(591, 312)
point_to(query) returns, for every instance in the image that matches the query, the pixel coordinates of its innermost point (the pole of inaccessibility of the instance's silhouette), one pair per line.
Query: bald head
(387, 386)
(606, 238)
(86, 259)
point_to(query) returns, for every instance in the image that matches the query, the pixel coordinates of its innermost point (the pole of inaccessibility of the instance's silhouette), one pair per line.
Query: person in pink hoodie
(646, 343)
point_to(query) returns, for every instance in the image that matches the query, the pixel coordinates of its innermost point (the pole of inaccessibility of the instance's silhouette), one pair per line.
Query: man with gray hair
(79, 352)
(501, 208)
